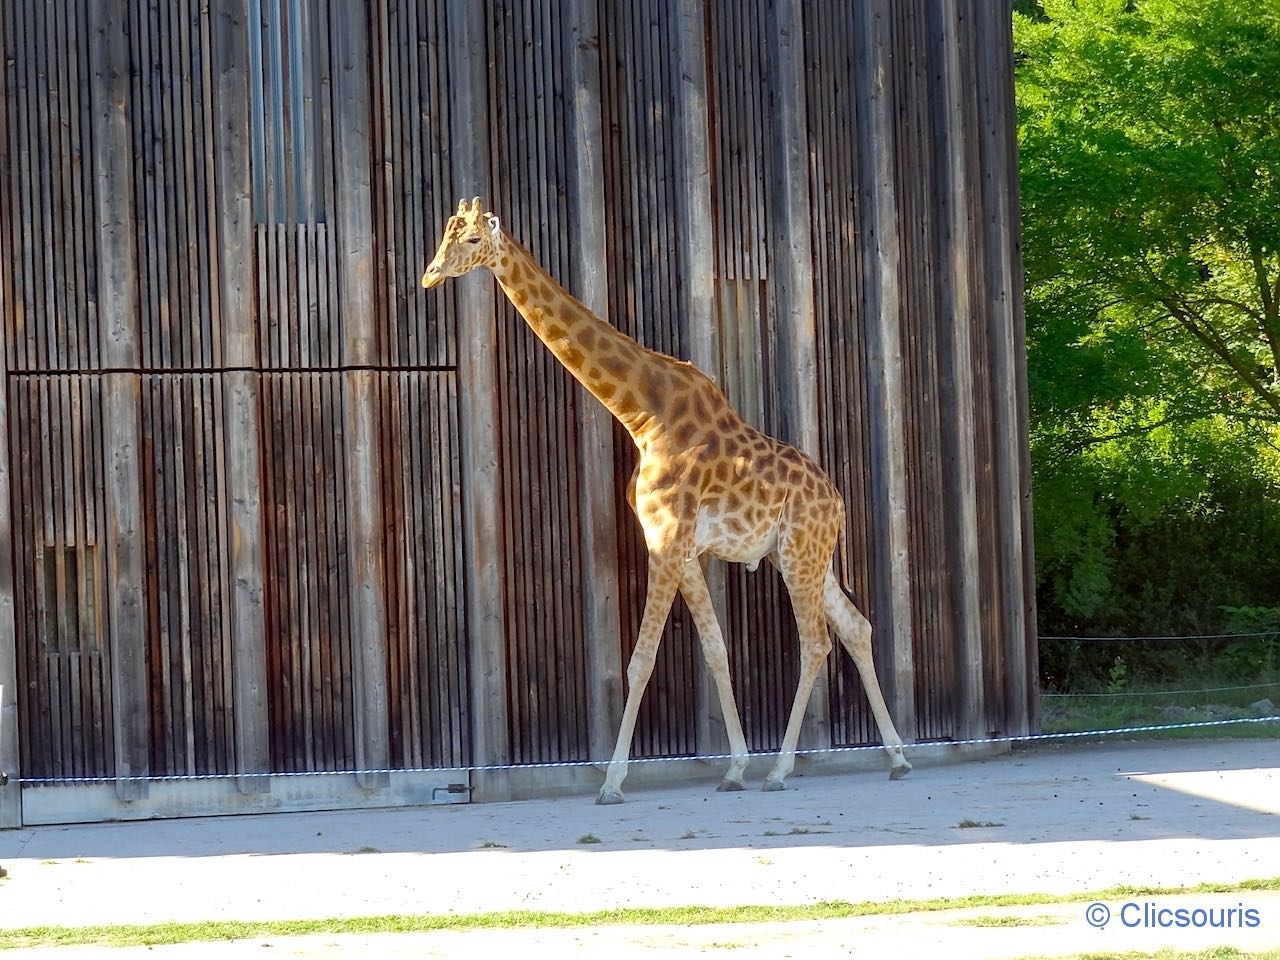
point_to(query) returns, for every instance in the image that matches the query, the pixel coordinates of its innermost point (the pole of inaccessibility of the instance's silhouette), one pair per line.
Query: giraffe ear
(495, 226)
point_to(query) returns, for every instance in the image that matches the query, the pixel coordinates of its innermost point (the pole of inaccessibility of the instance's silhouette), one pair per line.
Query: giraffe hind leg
(854, 632)
(798, 560)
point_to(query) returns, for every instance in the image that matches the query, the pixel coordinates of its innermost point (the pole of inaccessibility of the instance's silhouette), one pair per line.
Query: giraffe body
(706, 483)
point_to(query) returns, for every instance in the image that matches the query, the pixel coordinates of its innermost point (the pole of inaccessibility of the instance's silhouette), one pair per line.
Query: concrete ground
(1055, 819)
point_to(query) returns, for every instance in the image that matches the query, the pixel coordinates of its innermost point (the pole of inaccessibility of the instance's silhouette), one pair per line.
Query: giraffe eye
(473, 239)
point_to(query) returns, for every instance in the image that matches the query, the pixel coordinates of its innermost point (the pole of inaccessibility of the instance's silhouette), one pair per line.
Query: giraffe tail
(842, 559)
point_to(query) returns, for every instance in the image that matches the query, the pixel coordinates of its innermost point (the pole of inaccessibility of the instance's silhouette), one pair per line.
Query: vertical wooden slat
(330, 633)
(478, 414)
(694, 214)
(597, 521)
(994, 39)
(894, 625)
(353, 114)
(289, 633)
(32, 663)
(1025, 686)
(957, 377)
(240, 407)
(118, 294)
(793, 283)
(10, 745)
(25, 164)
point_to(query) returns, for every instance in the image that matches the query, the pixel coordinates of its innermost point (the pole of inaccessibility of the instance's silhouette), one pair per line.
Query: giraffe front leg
(664, 578)
(693, 586)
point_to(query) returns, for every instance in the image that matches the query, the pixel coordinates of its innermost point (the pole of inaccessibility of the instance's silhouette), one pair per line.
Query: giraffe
(706, 482)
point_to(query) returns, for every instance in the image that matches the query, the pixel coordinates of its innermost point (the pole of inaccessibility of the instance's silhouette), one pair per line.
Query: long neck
(611, 365)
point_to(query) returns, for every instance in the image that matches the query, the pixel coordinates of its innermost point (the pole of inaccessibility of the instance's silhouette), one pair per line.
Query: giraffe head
(471, 239)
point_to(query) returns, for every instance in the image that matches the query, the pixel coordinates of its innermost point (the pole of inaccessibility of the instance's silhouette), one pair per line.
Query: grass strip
(1213, 953)
(123, 935)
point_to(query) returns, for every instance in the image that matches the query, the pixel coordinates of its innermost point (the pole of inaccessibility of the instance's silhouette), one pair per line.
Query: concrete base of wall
(97, 802)
(87, 803)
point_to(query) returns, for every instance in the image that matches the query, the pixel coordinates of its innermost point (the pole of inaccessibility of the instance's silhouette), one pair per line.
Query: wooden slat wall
(171, 121)
(1014, 646)
(428, 689)
(532, 141)
(643, 171)
(294, 196)
(414, 187)
(55, 422)
(64, 670)
(51, 315)
(838, 222)
(309, 657)
(300, 177)
(189, 663)
(929, 552)
(429, 701)
(189, 637)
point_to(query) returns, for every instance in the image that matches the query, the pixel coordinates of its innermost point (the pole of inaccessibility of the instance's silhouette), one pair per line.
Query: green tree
(1149, 138)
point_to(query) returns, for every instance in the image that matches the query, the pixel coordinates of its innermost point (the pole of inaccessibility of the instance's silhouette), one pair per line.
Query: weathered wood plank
(996, 124)
(958, 398)
(697, 224)
(797, 356)
(117, 291)
(229, 25)
(596, 517)
(478, 414)
(882, 251)
(353, 115)
(10, 746)
(1025, 687)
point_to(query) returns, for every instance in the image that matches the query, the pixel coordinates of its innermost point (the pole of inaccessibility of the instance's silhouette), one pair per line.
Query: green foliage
(1150, 165)
(1117, 676)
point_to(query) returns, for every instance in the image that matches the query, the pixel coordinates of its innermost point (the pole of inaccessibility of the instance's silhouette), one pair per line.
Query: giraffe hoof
(607, 798)
(773, 786)
(729, 786)
(899, 770)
